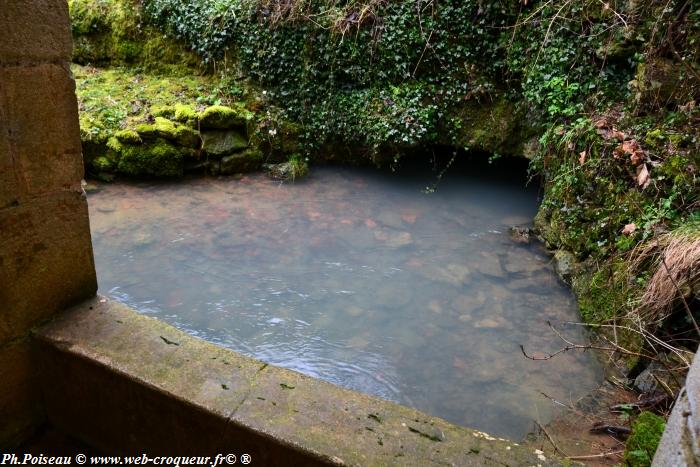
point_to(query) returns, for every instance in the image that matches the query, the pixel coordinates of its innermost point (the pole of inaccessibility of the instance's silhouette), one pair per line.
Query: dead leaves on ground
(629, 148)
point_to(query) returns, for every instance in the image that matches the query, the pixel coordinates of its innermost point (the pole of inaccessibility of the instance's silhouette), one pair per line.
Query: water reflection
(356, 278)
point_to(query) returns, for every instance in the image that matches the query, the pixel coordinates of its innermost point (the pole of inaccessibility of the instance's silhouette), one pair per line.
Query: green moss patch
(645, 437)
(163, 128)
(115, 98)
(113, 32)
(157, 157)
(128, 116)
(221, 117)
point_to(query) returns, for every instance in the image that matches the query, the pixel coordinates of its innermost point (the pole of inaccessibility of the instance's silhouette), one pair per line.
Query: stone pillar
(46, 258)
(680, 443)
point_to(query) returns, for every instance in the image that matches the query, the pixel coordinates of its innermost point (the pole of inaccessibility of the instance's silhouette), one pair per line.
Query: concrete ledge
(130, 384)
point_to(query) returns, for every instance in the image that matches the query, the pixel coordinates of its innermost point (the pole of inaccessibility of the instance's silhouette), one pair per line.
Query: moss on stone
(493, 125)
(186, 114)
(222, 117)
(103, 164)
(175, 132)
(222, 142)
(113, 32)
(128, 137)
(114, 145)
(645, 437)
(245, 161)
(158, 157)
(165, 111)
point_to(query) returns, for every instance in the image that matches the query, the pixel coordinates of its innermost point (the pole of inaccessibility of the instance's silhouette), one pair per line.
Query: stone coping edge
(130, 384)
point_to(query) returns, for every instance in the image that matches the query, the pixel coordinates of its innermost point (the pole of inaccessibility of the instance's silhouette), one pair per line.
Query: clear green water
(358, 278)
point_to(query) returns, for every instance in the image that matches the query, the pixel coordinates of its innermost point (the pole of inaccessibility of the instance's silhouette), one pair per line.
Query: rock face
(564, 264)
(245, 161)
(222, 143)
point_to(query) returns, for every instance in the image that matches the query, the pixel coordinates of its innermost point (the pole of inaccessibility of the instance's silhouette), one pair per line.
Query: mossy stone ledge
(163, 128)
(248, 160)
(220, 117)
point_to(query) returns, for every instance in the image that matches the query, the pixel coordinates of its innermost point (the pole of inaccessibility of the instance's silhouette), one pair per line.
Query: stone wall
(46, 258)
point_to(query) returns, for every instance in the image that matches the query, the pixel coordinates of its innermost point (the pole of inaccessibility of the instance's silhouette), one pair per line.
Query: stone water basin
(359, 278)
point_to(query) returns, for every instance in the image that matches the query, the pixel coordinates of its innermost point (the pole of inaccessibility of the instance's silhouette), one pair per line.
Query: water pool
(356, 277)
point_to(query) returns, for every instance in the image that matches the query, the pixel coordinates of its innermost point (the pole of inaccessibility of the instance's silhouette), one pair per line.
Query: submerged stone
(490, 265)
(223, 143)
(522, 264)
(394, 239)
(490, 323)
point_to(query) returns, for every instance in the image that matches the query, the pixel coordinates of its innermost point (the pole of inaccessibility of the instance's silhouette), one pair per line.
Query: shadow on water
(357, 277)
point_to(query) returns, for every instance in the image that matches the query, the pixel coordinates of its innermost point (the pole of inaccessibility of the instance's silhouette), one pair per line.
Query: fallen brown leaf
(637, 157)
(602, 123)
(629, 229)
(630, 146)
(617, 134)
(643, 178)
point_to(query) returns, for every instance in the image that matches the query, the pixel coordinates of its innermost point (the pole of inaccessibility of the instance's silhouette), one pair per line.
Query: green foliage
(380, 81)
(299, 167)
(645, 437)
(607, 291)
(387, 75)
